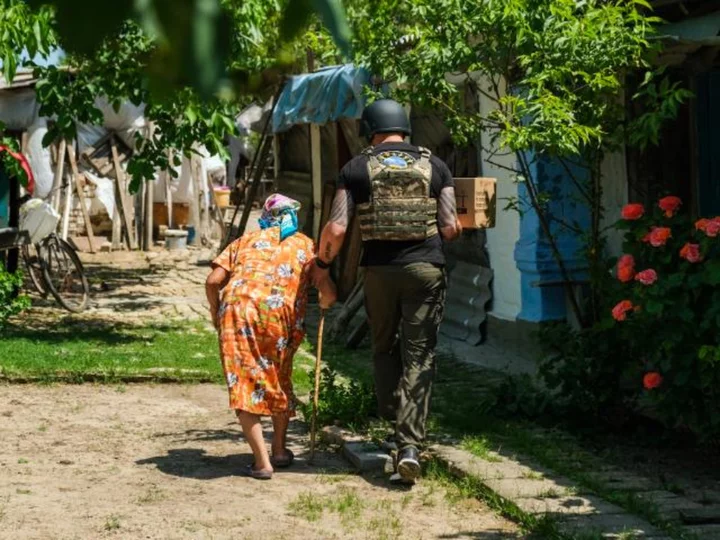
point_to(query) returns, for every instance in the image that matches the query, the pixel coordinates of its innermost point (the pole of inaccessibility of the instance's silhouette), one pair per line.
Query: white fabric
(104, 200)
(40, 159)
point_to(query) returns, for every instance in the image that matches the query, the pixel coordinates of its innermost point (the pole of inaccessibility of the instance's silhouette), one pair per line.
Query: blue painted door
(708, 127)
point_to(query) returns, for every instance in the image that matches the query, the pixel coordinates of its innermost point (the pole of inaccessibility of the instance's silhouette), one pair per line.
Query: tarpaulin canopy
(321, 97)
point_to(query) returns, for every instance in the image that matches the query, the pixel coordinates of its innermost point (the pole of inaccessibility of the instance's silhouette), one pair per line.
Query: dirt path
(164, 462)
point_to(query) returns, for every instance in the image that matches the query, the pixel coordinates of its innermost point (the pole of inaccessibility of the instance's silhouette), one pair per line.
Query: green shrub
(11, 303)
(345, 404)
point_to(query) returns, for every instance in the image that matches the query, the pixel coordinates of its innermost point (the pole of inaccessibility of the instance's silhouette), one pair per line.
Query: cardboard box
(476, 202)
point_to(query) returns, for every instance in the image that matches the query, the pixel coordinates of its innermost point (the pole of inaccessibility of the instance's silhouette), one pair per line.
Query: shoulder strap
(370, 153)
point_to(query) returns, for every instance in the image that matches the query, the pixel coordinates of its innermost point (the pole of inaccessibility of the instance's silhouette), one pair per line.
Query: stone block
(568, 506)
(620, 480)
(706, 532)
(610, 526)
(463, 463)
(521, 488)
(701, 516)
(366, 457)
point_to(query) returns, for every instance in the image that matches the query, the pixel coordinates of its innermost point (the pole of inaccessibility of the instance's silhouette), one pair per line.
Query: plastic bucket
(222, 197)
(176, 239)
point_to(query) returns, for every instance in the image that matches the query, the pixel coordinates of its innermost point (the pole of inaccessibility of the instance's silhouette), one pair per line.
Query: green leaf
(332, 14)
(296, 18)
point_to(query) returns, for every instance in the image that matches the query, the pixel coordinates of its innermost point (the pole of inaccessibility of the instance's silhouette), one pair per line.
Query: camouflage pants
(405, 307)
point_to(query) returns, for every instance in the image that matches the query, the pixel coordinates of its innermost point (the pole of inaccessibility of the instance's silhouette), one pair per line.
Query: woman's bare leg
(252, 429)
(279, 441)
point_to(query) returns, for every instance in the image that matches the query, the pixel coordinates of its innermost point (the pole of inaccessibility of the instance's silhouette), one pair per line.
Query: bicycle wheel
(33, 263)
(64, 274)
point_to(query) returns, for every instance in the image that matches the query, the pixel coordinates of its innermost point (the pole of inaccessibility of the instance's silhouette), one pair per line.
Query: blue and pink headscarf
(280, 211)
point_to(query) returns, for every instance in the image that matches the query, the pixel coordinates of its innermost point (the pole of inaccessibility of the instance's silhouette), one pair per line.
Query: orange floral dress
(262, 312)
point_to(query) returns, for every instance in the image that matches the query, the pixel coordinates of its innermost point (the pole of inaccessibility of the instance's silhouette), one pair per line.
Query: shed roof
(325, 96)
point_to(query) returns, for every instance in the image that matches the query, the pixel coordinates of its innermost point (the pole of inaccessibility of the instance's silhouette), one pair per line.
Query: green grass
(77, 351)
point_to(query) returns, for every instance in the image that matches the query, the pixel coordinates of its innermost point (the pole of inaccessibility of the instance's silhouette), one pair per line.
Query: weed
(532, 475)
(121, 388)
(405, 501)
(480, 447)
(23, 491)
(549, 494)
(347, 404)
(152, 495)
(42, 428)
(346, 503)
(385, 528)
(112, 523)
(23, 461)
(307, 506)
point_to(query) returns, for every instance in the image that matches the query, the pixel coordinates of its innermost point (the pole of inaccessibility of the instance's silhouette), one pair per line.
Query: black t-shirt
(354, 177)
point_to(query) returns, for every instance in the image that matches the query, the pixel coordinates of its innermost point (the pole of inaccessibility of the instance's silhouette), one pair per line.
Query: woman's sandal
(283, 462)
(257, 474)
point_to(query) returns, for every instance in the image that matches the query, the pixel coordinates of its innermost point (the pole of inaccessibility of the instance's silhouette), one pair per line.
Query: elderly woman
(258, 295)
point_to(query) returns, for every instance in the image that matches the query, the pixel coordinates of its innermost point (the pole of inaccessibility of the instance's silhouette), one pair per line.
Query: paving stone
(336, 435)
(610, 526)
(514, 488)
(465, 463)
(366, 457)
(669, 503)
(616, 479)
(704, 515)
(571, 505)
(706, 532)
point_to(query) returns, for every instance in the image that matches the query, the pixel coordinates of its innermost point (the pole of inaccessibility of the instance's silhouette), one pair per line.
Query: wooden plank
(120, 188)
(80, 189)
(66, 211)
(149, 223)
(57, 180)
(316, 160)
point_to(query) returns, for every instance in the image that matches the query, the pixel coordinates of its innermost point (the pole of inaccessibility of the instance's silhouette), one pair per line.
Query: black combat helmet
(384, 116)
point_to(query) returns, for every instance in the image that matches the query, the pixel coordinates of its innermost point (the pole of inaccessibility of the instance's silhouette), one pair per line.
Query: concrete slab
(568, 506)
(616, 479)
(367, 457)
(610, 526)
(467, 464)
(520, 488)
(706, 532)
(701, 516)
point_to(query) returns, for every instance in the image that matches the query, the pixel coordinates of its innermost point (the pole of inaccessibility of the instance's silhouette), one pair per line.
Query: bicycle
(53, 267)
(56, 268)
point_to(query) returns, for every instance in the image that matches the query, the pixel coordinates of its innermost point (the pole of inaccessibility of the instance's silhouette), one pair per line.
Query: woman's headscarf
(280, 211)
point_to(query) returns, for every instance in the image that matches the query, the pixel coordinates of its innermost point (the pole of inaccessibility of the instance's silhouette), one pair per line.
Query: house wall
(501, 239)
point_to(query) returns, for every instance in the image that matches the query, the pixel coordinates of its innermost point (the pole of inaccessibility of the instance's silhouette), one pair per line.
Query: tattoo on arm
(343, 208)
(447, 210)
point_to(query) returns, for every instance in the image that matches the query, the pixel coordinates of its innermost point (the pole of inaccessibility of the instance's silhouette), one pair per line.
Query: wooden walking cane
(316, 395)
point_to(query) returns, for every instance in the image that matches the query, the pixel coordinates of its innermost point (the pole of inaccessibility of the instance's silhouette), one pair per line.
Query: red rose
(647, 277)
(658, 236)
(632, 211)
(652, 380)
(626, 268)
(712, 229)
(691, 253)
(619, 312)
(701, 224)
(669, 205)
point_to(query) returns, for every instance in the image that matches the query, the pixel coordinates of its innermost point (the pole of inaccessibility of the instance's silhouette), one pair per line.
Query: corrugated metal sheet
(469, 289)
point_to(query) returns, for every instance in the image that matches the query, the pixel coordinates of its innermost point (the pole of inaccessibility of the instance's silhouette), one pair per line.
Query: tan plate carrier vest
(400, 206)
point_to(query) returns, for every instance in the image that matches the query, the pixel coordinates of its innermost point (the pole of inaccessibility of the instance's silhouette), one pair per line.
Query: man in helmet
(405, 201)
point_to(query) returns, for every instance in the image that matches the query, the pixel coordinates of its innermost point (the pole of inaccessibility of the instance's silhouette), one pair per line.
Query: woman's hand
(328, 293)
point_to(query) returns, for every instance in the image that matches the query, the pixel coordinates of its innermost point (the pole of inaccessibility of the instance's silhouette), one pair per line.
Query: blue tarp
(321, 97)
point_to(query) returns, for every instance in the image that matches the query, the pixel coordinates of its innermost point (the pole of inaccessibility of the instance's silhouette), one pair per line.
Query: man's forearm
(331, 242)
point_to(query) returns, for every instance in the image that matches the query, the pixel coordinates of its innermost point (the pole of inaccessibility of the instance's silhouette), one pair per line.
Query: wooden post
(168, 191)
(149, 217)
(57, 181)
(120, 188)
(316, 153)
(66, 211)
(81, 197)
(276, 160)
(141, 216)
